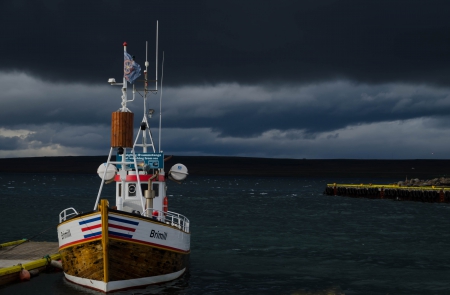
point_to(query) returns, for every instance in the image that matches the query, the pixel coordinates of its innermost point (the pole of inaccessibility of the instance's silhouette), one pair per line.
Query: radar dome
(178, 172)
(110, 171)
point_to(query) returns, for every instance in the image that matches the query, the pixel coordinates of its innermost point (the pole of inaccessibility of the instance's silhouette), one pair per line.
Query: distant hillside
(423, 169)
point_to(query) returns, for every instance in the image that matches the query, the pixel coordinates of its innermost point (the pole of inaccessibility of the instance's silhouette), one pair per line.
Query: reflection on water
(260, 236)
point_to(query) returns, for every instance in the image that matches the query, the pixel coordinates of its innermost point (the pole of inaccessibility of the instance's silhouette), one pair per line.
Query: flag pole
(124, 87)
(124, 80)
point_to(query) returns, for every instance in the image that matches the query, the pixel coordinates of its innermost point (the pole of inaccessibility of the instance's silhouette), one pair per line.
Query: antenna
(160, 104)
(144, 135)
(156, 79)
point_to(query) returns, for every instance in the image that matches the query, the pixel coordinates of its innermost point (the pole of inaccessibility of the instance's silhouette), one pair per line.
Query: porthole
(131, 190)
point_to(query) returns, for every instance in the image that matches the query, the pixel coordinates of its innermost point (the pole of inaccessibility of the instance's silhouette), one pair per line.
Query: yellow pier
(429, 194)
(27, 255)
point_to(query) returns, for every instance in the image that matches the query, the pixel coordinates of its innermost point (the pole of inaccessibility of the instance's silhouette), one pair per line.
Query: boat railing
(171, 218)
(67, 214)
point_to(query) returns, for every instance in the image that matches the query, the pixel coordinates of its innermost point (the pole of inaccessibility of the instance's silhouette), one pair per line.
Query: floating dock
(429, 194)
(24, 254)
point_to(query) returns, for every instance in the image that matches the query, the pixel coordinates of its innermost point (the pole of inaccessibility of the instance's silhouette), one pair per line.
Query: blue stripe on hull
(93, 234)
(90, 220)
(123, 220)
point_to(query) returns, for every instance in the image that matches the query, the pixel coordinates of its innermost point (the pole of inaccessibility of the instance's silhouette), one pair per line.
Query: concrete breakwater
(398, 192)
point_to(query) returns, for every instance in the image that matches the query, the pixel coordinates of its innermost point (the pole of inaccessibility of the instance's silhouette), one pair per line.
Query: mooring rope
(27, 240)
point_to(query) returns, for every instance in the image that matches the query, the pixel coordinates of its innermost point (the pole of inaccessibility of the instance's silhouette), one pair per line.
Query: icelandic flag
(131, 70)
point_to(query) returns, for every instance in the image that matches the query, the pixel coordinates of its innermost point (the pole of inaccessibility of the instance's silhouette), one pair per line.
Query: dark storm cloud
(227, 109)
(96, 137)
(26, 100)
(336, 119)
(231, 41)
(318, 79)
(10, 143)
(248, 111)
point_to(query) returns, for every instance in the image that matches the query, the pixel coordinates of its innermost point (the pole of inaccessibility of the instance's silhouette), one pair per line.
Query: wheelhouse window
(156, 189)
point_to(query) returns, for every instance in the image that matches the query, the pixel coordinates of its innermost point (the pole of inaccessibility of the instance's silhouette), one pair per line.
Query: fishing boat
(137, 241)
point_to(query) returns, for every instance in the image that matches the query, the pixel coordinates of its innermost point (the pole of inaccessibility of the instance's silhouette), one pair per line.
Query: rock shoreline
(430, 182)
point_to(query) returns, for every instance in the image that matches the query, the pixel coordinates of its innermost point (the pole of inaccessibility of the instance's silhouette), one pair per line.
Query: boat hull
(116, 250)
(125, 284)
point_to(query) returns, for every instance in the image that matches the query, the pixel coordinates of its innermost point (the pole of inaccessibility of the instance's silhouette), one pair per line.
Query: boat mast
(160, 114)
(156, 62)
(148, 112)
(121, 139)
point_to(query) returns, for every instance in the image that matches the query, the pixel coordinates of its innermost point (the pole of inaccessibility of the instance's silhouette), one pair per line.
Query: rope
(41, 233)
(27, 240)
(48, 259)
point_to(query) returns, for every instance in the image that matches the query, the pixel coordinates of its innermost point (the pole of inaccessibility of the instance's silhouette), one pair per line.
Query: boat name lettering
(158, 235)
(65, 234)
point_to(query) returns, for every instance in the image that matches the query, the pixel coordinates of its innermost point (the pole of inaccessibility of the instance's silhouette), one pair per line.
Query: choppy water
(259, 236)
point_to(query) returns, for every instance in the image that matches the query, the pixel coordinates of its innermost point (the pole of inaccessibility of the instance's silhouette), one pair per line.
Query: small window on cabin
(156, 189)
(132, 190)
(120, 189)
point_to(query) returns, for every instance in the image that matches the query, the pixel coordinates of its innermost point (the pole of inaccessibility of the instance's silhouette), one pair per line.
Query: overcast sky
(316, 79)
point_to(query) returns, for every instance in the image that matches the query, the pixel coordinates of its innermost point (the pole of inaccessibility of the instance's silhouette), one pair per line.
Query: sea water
(258, 235)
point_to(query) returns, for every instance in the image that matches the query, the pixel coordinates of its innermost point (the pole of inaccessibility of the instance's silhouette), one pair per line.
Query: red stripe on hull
(91, 227)
(122, 227)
